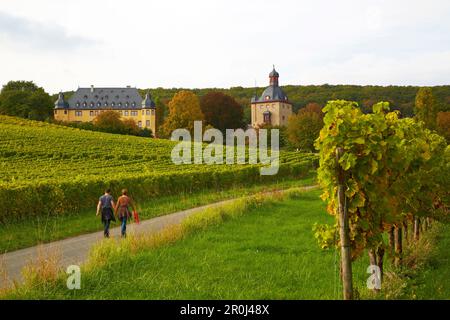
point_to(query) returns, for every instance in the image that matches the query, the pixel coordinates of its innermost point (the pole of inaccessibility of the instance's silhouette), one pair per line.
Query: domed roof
(274, 73)
(273, 93)
(61, 103)
(148, 102)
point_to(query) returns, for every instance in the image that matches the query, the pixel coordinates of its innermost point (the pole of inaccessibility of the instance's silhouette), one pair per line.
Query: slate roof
(272, 92)
(100, 98)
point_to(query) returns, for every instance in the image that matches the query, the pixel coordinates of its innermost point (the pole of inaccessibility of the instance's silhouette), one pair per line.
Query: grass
(261, 247)
(267, 253)
(26, 233)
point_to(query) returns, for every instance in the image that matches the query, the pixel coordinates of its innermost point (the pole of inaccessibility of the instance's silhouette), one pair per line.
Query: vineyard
(384, 178)
(49, 169)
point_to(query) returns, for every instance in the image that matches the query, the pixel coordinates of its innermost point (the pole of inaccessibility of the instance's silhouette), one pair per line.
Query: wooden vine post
(346, 263)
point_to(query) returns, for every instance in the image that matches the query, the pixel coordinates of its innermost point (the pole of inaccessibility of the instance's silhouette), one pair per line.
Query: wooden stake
(346, 262)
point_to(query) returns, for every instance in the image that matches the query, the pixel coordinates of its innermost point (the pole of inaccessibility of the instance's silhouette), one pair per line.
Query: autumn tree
(303, 128)
(443, 124)
(109, 120)
(425, 108)
(221, 111)
(184, 109)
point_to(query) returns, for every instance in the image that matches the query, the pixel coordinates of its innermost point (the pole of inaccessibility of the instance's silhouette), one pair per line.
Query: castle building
(272, 107)
(86, 103)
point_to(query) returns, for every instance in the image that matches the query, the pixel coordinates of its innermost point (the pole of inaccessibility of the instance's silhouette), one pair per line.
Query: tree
(425, 108)
(313, 107)
(221, 111)
(303, 129)
(32, 103)
(443, 124)
(184, 109)
(20, 86)
(109, 121)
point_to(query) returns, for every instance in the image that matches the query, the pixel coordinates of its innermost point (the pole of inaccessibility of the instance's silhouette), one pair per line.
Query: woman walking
(123, 211)
(106, 205)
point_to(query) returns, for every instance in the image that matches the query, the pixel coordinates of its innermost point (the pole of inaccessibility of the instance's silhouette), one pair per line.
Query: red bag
(136, 217)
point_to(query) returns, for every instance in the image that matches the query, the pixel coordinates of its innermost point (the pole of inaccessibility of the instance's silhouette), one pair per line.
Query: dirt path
(74, 251)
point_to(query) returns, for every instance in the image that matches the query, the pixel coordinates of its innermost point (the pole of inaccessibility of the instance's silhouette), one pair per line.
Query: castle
(86, 103)
(272, 107)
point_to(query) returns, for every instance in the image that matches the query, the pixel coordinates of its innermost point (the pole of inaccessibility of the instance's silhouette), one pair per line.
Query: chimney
(92, 88)
(128, 86)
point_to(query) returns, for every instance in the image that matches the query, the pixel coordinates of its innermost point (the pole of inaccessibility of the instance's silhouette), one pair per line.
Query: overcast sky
(62, 44)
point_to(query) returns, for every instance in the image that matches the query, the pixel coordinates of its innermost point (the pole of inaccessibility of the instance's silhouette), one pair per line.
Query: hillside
(46, 168)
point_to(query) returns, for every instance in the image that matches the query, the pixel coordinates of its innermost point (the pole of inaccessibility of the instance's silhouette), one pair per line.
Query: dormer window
(106, 104)
(84, 104)
(78, 104)
(120, 104)
(113, 104)
(127, 104)
(267, 97)
(133, 104)
(99, 104)
(92, 104)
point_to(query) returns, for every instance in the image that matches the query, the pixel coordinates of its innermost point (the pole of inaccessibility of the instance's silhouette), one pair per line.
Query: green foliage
(24, 99)
(303, 129)
(46, 169)
(425, 107)
(392, 169)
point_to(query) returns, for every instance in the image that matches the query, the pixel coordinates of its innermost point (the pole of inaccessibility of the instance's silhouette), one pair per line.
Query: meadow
(235, 253)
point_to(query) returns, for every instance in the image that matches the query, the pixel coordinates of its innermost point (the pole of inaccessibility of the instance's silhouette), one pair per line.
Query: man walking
(106, 205)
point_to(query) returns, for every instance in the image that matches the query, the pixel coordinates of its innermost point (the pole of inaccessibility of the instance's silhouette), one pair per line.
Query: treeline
(399, 97)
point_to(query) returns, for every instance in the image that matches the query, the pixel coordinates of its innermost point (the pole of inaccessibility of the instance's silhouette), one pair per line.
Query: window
(106, 104)
(126, 104)
(91, 113)
(84, 104)
(92, 104)
(120, 112)
(96, 112)
(153, 111)
(126, 113)
(147, 123)
(56, 112)
(133, 104)
(142, 112)
(267, 97)
(120, 104)
(148, 112)
(266, 117)
(113, 104)
(140, 124)
(99, 104)
(134, 113)
(78, 113)
(78, 104)
(65, 111)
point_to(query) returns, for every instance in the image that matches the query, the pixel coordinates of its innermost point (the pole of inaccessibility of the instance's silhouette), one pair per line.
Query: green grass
(268, 253)
(265, 250)
(432, 279)
(21, 234)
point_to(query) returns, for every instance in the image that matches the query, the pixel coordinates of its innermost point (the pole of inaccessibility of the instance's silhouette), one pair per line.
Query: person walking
(123, 211)
(106, 205)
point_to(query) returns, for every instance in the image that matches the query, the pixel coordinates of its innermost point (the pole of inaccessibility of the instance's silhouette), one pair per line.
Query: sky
(65, 44)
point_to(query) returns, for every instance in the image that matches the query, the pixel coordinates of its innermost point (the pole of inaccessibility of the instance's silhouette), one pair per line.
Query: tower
(272, 108)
